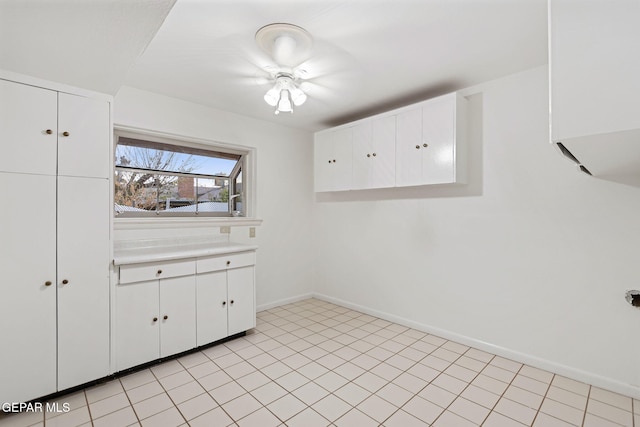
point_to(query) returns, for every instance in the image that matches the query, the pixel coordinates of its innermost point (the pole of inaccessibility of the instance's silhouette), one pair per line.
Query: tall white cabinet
(54, 175)
(594, 85)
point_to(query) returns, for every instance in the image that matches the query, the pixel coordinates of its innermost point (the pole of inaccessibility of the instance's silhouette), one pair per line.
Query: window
(161, 177)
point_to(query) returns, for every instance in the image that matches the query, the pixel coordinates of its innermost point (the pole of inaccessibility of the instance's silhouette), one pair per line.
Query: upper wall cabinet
(374, 153)
(595, 88)
(430, 143)
(332, 157)
(422, 144)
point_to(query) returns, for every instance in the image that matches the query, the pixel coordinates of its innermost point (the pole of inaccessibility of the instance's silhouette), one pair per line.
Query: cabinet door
(83, 280)
(26, 113)
(85, 151)
(322, 157)
(362, 155)
(343, 155)
(408, 148)
(383, 153)
(211, 291)
(137, 334)
(27, 262)
(242, 307)
(438, 132)
(177, 314)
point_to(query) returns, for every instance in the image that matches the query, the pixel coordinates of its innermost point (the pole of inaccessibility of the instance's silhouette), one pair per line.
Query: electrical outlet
(225, 229)
(252, 232)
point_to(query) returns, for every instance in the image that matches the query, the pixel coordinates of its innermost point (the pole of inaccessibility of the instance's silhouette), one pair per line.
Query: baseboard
(278, 303)
(536, 362)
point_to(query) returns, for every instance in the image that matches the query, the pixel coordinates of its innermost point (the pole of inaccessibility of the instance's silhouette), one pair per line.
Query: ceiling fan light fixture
(285, 94)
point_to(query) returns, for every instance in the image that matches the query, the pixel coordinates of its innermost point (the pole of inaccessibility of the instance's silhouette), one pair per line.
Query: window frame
(246, 166)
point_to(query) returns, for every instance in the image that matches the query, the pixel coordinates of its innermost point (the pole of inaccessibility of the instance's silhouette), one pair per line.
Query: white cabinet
(156, 316)
(430, 143)
(374, 153)
(422, 144)
(332, 160)
(226, 296)
(55, 242)
(594, 84)
(167, 307)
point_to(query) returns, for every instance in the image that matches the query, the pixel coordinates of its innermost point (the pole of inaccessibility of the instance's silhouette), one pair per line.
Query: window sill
(164, 223)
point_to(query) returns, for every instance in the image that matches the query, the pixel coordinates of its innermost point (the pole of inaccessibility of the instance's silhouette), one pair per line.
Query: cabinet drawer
(224, 262)
(156, 270)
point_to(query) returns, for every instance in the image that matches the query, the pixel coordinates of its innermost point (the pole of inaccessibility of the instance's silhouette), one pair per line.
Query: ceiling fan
(299, 66)
(289, 46)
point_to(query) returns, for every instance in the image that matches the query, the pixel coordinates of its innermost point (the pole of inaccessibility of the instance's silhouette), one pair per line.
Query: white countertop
(136, 255)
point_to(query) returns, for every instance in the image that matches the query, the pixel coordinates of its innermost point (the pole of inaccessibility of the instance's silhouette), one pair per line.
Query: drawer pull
(231, 302)
(47, 283)
(155, 319)
(48, 131)
(65, 281)
(417, 147)
(65, 133)
(228, 262)
(425, 145)
(159, 271)
(224, 303)
(165, 317)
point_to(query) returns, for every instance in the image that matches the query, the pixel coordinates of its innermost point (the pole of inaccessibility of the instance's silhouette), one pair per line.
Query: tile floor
(313, 363)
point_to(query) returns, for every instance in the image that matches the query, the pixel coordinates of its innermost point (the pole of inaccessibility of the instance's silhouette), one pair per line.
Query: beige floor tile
(144, 392)
(423, 409)
(609, 412)
(498, 420)
(515, 410)
(394, 394)
(377, 408)
(331, 407)
(480, 396)
(567, 397)
(197, 406)
(610, 398)
(227, 392)
(216, 417)
(260, 418)
(168, 418)
(404, 419)
(544, 420)
(561, 411)
(469, 410)
(72, 418)
(286, 407)
(356, 418)
(122, 418)
(103, 391)
(108, 405)
(449, 419)
(152, 406)
(308, 418)
(310, 393)
(241, 406)
(269, 393)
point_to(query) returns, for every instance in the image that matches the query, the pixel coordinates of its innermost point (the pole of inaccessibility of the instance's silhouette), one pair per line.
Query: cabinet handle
(425, 145)
(224, 303)
(48, 131)
(65, 133)
(155, 319)
(374, 154)
(329, 161)
(165, 317)
(47, 283)
(228, 262)
(417, 147)
(159, 271)
(231, 302)
(334, 160)
(65, 281)
(368, 155)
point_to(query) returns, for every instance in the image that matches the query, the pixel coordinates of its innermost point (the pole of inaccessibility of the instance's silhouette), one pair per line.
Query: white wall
(530, 260)
(284, 180)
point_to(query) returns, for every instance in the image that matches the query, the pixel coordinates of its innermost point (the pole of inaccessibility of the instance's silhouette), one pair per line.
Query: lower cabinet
(166, 308)
(226, 302)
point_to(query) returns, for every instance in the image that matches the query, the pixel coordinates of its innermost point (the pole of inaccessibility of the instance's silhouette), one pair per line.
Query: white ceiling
(368, 55)
(85, 43)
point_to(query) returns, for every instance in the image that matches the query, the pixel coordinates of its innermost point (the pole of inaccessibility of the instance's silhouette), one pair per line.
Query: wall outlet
(252, 232)
(225, 229)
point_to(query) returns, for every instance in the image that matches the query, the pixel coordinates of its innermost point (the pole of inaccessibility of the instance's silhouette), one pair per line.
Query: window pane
(177, 193)
(135, 192)
(213, 195)
(148, 155)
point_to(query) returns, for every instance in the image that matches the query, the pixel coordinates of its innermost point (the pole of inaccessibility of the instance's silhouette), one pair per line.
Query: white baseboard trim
(278, 303)
(536, 362)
